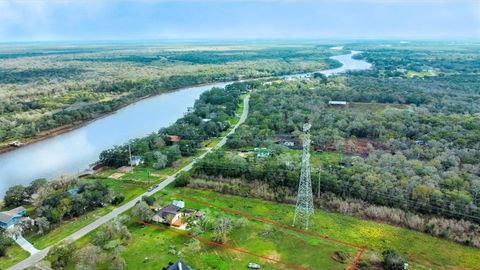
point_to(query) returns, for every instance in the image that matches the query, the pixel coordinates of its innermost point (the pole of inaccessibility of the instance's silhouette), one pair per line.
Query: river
(72, 152)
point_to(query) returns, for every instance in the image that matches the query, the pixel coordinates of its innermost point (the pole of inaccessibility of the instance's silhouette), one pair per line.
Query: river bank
(7, 147)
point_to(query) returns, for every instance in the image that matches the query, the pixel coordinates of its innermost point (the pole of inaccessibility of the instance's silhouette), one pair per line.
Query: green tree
(393, 261)
(222, 228)
(5, 243)
(61, 255)
(15, 196)
(142, 211)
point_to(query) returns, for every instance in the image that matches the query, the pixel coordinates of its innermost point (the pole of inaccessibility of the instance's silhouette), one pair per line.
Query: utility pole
(319, 176)
(304, 208)
(130, 154)
(148, 177)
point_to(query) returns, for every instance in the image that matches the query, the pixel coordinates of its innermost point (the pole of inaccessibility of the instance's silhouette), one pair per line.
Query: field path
(38, 256)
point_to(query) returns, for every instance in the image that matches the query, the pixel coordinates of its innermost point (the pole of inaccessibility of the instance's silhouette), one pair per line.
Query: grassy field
(14, 255)
(65, 228)
(421, 74)
(161, 246)
(423, 251)
(292, 249)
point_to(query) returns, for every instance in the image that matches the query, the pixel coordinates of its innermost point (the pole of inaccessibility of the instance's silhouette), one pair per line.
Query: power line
(304, 208)
(383, 195)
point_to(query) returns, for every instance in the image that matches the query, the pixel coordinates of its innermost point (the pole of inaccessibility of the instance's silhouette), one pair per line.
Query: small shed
(136, 160)
(262, 152)
(179, 203)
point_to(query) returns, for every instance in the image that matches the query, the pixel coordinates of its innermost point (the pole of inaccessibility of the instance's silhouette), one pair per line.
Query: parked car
(253, 266)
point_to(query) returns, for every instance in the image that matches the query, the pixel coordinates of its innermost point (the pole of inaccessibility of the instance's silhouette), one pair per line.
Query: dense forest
(406, 142)
(46, 88)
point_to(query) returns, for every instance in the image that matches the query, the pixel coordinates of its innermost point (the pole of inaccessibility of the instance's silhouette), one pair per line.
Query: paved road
(39, 255)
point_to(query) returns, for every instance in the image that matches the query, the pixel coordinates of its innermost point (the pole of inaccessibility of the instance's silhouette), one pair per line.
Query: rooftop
(6, 216)
(179, 265)
(168, 210)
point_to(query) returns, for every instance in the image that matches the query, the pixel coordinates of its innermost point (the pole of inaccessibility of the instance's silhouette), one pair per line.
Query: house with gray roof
(11, 217)
(163, 214)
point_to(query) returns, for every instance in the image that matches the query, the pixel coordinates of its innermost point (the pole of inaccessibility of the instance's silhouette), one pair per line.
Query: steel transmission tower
(304, 207)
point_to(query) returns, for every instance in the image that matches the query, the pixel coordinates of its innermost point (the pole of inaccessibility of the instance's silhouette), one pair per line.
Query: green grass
(421, 74)
(65, 228)
(289, 247)
(14, 255)
(422, 250)
(254, 236)
(325, 157)
(129, 190)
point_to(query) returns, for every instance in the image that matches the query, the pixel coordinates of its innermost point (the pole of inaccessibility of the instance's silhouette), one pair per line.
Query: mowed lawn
(289, 249)
(14, 255)
(423, 251)
(162, 246)
(65, 228)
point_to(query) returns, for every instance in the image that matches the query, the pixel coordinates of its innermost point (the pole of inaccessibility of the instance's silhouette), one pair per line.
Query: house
(11, 217)
(174, 214)
(172, 139)
(136, 160)
(290, 141)
(179, 265)
(262, 152)
(169, 214)
(73, 191)
(337, 103)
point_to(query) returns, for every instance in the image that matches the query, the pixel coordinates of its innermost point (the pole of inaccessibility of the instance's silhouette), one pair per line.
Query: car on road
(152, 187)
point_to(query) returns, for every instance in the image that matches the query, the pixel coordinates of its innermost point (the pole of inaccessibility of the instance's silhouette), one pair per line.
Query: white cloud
(35, 19)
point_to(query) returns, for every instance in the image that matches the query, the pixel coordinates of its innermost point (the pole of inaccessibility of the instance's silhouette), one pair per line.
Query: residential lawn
(129, 190)
(14, 255)
(65, 228)
(422, 250)
(292, 248)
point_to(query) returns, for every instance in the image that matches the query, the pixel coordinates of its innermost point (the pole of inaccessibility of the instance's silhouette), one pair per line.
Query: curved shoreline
(71, 127)
(71, 149)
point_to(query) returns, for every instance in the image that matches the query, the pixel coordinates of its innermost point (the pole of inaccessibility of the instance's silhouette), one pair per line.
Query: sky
(55, 20)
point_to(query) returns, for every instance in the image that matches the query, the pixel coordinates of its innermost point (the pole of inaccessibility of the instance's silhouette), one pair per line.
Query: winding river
(72, 152)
